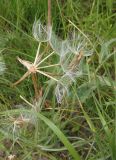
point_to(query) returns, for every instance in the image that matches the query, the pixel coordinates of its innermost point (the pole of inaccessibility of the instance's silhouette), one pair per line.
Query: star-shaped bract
(34, 67)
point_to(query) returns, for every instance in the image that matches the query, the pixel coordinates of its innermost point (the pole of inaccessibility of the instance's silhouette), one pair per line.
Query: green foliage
(84, 124)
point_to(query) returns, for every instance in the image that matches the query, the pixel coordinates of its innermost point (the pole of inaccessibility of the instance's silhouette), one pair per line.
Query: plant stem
(49, 13)
(34, 79)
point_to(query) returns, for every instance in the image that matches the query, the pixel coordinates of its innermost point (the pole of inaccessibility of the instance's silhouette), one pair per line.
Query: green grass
(84, 125)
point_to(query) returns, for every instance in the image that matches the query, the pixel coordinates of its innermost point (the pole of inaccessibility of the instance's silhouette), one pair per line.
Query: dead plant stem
(34, 79)
(49, 13)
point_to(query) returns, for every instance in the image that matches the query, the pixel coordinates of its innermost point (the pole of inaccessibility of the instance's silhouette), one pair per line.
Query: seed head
(41, 33)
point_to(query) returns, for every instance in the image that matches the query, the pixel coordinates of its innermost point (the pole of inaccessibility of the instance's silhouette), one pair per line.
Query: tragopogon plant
(70, 51)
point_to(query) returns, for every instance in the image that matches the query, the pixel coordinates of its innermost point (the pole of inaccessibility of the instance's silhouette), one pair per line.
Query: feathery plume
(41, 33)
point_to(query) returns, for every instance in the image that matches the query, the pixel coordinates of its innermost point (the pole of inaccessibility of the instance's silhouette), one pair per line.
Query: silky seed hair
(41, 33)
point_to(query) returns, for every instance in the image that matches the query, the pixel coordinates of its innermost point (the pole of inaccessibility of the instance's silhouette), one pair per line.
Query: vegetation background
(84, 126)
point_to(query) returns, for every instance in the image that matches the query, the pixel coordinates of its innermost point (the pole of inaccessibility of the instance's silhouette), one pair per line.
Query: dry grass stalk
(34, 80)
(49, 13)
